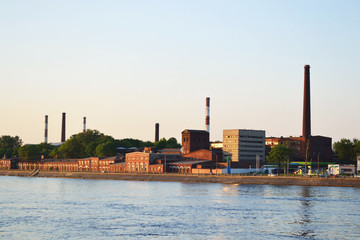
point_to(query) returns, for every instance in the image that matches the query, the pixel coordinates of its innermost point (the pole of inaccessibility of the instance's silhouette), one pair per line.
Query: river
(55, 208)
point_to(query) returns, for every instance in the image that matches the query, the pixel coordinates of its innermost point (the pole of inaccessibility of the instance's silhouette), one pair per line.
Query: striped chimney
(207, 112)
(46, 129)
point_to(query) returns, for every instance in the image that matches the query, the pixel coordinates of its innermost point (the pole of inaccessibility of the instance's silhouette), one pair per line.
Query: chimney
(46, 129)
(207, 112)
(84, 129)
(63, 128)
(156, 132)
(306, 131)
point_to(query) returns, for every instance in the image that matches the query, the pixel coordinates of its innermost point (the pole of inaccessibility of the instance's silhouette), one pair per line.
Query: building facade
(193, 140)
(314, 148)
(244, 146)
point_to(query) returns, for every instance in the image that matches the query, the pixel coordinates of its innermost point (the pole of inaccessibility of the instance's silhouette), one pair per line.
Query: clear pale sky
(126, 65)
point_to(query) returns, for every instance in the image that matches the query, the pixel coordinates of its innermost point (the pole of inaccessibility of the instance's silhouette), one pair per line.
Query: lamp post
(318, 157)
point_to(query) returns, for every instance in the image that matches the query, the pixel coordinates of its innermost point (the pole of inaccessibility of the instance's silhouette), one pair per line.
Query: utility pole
(306, 155)
(318, 157)
(287, 170)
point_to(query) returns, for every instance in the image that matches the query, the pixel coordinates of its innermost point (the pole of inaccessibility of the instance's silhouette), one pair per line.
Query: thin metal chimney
(46, 129)
(156, 132)
(306, 128)
(207, 112)
(84, 129)
(63, 127)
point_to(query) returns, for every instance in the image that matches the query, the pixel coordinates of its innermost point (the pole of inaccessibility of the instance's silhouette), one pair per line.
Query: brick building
(317, 147)
(140, 162)
(62, 165)
(7, 164)
(193, 140)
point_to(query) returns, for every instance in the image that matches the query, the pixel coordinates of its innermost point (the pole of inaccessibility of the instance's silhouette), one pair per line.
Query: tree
(9, 146)
(279, 155)
(45, 149)
(346, 150)
(107, 148)
(357, 146)
(172, 143)
(29, 152)
(72, 148)
(161, 144)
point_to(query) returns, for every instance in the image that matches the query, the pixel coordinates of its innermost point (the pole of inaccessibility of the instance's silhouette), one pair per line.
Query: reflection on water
(40, 208)
(305, 213)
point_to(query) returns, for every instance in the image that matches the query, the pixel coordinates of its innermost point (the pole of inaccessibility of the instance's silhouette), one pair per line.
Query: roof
(115, 164)
(194, 131)
(59, 161)
(189, 162)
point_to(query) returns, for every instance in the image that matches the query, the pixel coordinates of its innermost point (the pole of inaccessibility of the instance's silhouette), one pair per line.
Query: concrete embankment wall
(304, 181)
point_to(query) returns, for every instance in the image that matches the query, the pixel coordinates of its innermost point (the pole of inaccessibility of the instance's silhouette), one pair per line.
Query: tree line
(81, 145)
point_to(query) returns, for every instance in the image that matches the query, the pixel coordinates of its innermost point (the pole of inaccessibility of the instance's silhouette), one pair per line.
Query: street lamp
(318, 157)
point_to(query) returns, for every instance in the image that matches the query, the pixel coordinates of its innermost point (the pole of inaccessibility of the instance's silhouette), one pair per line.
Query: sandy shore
(302, 181)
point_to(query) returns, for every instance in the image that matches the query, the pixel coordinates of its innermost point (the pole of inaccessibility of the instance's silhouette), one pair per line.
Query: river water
(50, 208)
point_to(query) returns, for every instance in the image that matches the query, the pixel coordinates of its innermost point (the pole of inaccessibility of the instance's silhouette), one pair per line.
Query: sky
(127, 65)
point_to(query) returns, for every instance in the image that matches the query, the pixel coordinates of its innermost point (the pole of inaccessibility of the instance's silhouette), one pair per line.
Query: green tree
(106, 149)
(9, 146)
(161, 144)
(356, 146)
(172, 143)
(29, 152)
(45, 149)
(347, 150)
(72, 148)
(279, 155)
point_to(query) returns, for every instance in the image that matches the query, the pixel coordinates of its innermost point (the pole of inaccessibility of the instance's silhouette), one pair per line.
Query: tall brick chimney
(306, 131)
(156, 132)
(63, 128)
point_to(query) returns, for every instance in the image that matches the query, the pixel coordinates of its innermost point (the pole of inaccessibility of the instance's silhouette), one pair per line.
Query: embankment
(303, 181)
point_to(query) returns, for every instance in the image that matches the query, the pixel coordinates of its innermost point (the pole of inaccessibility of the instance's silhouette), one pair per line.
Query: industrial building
(244, 146)
(305, 147)
(193, 140)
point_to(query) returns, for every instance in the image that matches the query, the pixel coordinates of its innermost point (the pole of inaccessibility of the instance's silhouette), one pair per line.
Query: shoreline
(226, 179)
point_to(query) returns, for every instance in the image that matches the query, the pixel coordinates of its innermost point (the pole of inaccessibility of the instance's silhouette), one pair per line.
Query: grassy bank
(230, 179)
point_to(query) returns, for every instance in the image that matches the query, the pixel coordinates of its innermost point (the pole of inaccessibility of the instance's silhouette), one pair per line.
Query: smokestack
(207, 111)
(63, 128)
(306, 131)
(156, 132)
(46, 129)
(84, 129)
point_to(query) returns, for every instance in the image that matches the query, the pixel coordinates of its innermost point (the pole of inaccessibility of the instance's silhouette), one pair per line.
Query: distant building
(306, 147)
(316, 147)
(216, 145)
(193, 140)
(10, 163)
(336, 169)
(140, 162)
(244, 146)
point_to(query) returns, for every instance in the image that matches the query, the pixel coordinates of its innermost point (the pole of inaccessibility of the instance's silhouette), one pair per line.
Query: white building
(336, 169)
(244, 145)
